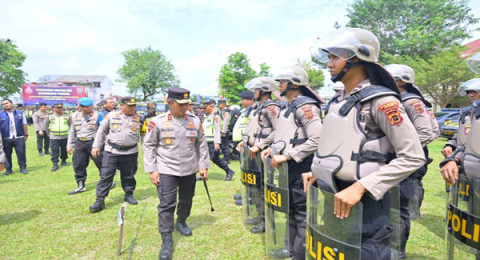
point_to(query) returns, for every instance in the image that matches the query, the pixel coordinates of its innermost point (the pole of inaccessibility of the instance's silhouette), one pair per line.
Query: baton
(208, 194)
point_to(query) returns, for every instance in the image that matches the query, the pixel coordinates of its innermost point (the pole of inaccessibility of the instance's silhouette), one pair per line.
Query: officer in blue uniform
(13, 125)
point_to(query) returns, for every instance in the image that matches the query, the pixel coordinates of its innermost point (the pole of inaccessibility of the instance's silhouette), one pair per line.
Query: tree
(315, 77)
(147, 73)
(11, 76)
(264, 70)
(418, 28)
(440, 75)
(234, 75)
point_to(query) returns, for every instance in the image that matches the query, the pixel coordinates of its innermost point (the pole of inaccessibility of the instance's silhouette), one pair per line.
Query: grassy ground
(38, 220)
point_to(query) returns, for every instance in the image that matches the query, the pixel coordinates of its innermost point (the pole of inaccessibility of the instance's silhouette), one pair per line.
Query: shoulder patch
(272, 110)
(417, 105)
(151, 125)
(391, 110)
(308, 112)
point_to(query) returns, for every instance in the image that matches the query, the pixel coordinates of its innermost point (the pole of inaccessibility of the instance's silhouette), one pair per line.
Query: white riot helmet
(474, 63)
(295, 75)
(347, 43)
(401, 72)
(473, 84)
(265, 84)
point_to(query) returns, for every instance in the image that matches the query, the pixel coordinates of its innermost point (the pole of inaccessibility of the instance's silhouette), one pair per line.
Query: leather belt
(121, 147)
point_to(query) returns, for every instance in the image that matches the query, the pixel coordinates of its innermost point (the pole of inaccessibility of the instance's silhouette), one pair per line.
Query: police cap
(180, 95)
(85, 102)
(129, 101)
(222, 101)
(59, 105)
(246, 95)
(207, 103)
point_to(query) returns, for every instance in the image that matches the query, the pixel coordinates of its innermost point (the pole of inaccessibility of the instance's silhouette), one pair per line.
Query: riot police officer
(416, 108)
(211, 125)
(80, 138)
(259, 133)
(119, 131)
(296, 139)
(367, 143)
(40, 119)
(58, 126)
(174, 150)
(225, 115)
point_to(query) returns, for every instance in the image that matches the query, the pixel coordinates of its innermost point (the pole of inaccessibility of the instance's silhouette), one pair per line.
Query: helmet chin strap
(286, 90)
(345, 69)
(261, 94)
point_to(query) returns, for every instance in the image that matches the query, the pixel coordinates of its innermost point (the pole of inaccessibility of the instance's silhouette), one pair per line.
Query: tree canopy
(11, 76)
(315, 77)
(147, 73)
(418, 28)
(235, 74)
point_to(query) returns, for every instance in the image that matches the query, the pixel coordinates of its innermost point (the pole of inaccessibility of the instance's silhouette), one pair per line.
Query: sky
(64, 37)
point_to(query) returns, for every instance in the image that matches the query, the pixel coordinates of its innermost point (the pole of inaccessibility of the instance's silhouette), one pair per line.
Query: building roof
(74, 78)
(474, 47)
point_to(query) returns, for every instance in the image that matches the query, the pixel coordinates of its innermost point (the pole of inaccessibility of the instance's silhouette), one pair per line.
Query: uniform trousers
(43, 141)
(59, 148)
(376, 228)
(19, 145)
(127, 163)
(225, 147)
(298, 206)
(167, 191)
(81, 159)
(215, 157)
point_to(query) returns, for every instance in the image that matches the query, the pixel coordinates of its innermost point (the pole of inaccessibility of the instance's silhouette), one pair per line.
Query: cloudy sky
(88, 37)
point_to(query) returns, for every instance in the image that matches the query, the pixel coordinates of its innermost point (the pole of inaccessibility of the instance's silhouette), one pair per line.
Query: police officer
(247, 101)
(458, 140)
(13, 125)
(211, 125)
(119, 131)
(416, 108)
(2, 155)
(259, 133)
(367, 127)
(298, 127)
(108, 106)
(225, 113)
(58, 126)
(41, 128)
(174, 150)
(80, 137)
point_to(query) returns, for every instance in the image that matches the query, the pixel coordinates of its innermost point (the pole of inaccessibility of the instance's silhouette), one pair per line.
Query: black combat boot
(183, 228)
(130, 199)
(259, 228)
(65, 163)
(230, 174)
(166, 252)
(55, 167)
(99, 205)
(40, 152)
(80, 188)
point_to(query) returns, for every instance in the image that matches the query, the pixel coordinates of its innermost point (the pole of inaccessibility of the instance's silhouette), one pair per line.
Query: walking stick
(208, 194)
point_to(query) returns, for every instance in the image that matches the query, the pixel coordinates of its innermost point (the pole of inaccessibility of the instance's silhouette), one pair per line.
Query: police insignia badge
(185, 96)
(417, 105)
(467, 129)
(308, 112)
(151, 125)
(391, 110)
(168, 141)
(115, 127)
(169, 117)
(272, 110)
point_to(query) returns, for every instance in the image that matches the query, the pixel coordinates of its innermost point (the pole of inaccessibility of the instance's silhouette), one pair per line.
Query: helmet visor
(474, 63)
(339, 43)
(473, 84)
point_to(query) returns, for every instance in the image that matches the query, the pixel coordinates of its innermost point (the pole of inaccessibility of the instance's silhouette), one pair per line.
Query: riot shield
(251, 178)
(328, 237)
(396, 222)
(276, 211)
(414, 205)
(463, 219)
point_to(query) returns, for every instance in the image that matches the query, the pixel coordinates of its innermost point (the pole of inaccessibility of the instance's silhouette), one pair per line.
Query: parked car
(444, 115)
(450, 127)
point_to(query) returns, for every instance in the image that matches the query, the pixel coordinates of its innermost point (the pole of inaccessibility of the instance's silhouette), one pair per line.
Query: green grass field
(38, 220)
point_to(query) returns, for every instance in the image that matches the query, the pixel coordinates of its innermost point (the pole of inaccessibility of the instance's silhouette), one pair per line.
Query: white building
(98, 87)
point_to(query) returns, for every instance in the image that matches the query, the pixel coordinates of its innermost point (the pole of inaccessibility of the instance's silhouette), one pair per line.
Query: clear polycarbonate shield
(251, 179)
(395, 221)
(340, 43)
(463, 219)
(474, 63)
(329, 237)
(473, 84)
(276, 211)
(414, 203)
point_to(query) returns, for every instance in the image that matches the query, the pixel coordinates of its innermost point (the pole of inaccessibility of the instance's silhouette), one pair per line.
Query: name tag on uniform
(191, 133)
(167, 134)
